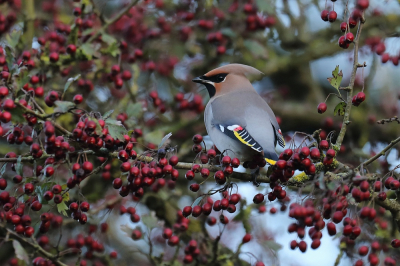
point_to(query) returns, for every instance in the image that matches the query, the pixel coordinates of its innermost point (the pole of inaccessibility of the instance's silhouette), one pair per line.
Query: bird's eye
(221, 78)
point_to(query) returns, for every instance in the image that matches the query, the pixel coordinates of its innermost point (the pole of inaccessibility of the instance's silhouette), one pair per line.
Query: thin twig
(36, 247)
(112, 21)
(389, 120)
(381, 153)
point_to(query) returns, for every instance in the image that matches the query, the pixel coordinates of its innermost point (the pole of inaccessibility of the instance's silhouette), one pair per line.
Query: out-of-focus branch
(349, 99)
(43, 117)
(29, 12)
(35, 246)
(112, 21)
(388, 120)
(391, 205)
(381, 153)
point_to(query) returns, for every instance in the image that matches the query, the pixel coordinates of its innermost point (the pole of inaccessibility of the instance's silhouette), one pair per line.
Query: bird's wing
(239, 133)
(250, 112)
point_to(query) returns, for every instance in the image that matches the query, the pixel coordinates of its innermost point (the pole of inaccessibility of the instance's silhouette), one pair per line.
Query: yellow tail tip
(269, 161)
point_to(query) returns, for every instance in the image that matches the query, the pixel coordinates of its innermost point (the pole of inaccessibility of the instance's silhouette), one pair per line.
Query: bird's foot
(254, 176)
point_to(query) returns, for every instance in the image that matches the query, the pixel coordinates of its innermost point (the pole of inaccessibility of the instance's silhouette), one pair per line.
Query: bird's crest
(237, 69)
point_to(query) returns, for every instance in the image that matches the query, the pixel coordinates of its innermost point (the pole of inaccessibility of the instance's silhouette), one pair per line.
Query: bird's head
(227, 78)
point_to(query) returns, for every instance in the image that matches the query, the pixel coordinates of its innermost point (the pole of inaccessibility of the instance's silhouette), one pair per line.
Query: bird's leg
(254, 175)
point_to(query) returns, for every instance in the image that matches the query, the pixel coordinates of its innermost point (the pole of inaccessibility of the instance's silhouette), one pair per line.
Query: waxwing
(238, 121)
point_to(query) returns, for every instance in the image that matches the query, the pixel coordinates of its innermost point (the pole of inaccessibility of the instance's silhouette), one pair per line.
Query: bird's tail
(269, 161)
(271, 157)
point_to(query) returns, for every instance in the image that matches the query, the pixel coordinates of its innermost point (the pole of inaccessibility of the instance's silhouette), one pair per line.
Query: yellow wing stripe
(271, 162)
(241, 139)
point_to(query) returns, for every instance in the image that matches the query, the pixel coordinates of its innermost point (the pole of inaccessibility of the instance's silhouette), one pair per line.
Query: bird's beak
(198, 80)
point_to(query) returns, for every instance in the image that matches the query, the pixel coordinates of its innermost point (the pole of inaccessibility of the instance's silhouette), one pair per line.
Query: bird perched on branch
(237, 119)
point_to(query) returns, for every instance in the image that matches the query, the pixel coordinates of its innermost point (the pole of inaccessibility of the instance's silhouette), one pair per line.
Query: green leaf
(107, 114)
(14, 36)
(134, 110)
(154, 137)
(339, 109)
(256, 48)
(65, 197)
(62, 207)
(40, 190)
(98, 129)
(63, 106)
(18, 168)
(149, 220)
(88, 50)
(20, 252)
(336, 78)
(17, 115)
(9, 57)
(70, 81)
(264, 5)
(228, 32)
(198, 201)
(243, 215)
(108, 38)
(112, 49)
(271, 244)
(116, 129)
(73, 36)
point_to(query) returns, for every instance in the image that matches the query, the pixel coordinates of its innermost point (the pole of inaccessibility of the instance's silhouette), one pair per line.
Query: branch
(389, 204)
(29, 13)
(381, 153)
(112, 21)
(36, 247)
(389, 120)
(43, 117)
(350, 87)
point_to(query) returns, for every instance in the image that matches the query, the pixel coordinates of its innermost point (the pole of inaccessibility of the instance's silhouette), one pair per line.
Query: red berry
(316, 242)
(324, 145)
(349, 37)
(315, 154)
(246, 238)
(395, 243)
(330, 153)
(332, 16)
(187, 211)
(54, 57)
(324, 15)
(363, 250)
(136, 234)
(173, 241)
(322, 108)
(87, 167)
(343, 26)
(302, 246)
(258, 198)
(362, 4)
(342, 42)
(211, 153)
(167, 233)
(197, 139)
(78, 99)
(194, 187)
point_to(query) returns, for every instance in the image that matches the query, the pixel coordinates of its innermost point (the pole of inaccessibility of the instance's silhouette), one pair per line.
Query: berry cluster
(354, 18)
(228, 203)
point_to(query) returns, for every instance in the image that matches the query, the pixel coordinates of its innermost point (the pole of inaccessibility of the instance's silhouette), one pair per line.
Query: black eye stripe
(216, 78)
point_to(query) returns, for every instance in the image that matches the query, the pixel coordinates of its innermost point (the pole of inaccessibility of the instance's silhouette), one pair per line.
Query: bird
(238, 120)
